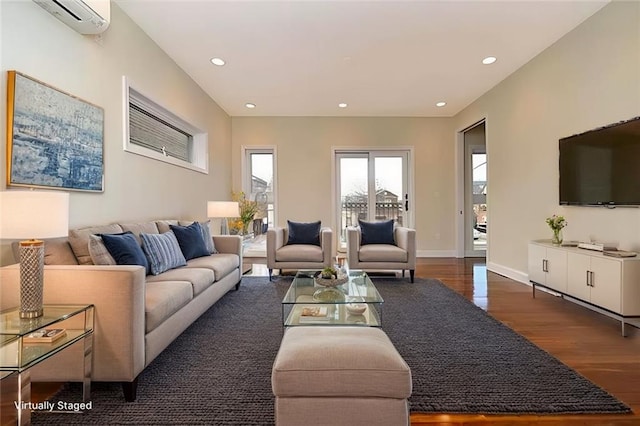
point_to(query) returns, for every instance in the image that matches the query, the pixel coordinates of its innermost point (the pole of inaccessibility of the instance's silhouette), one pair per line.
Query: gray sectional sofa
(136, 315)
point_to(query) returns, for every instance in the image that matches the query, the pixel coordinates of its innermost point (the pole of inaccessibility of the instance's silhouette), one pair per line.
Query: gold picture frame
(54, 140)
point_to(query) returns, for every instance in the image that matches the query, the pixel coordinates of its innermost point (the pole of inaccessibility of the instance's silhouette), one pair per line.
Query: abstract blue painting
(56, 139)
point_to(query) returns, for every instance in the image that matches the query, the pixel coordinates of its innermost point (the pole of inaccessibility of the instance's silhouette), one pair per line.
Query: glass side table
(17, 354)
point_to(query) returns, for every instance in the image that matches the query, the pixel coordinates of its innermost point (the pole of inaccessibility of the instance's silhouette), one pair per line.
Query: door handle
(545, 265)
(406, 202)
(591, 274)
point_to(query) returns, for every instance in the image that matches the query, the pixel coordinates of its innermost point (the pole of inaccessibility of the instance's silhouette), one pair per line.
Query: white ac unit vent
(86, 17)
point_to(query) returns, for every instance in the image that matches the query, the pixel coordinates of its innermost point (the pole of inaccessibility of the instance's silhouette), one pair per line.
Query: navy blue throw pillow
(304, 233)
(190, 240)
(377, 232)
(125, 250)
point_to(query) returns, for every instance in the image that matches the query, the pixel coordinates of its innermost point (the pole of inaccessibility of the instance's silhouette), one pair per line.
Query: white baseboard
(515, 275)
(435, 253)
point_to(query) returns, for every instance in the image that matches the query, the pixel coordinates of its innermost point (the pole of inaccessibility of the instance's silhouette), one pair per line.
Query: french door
(259, 185)
(372, 186)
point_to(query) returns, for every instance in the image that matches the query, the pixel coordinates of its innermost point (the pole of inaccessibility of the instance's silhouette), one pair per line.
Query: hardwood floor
(587, 341)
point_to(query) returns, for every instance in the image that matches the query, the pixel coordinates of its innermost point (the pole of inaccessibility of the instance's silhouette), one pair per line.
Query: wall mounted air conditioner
(84, 16)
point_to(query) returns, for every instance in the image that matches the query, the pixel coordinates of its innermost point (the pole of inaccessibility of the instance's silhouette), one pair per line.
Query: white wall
(136, 188)
(304, 148)
(589, 78)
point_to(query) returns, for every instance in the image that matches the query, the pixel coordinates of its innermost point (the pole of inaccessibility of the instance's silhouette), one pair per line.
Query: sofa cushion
(377, 232)
(79, 240)
(299, 253)
(162, 251)
(125, 249)
(205, 230)
(221, 264)
(57, 251)
(163, 299)
(138, 228)
(98, 251)
(303, 233)
(200, 278)
(163, 225)
(382, 253)
(190, 240)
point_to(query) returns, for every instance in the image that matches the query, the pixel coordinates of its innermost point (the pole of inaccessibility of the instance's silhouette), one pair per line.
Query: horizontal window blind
(152, 132)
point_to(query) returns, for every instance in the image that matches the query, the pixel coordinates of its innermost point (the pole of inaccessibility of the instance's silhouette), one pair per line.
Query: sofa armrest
(353, 246)
(118, 293)
(231, 244)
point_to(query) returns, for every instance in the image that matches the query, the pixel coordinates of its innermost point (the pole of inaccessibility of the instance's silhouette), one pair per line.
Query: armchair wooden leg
(403, 273)
(411, 274)
(270, 272)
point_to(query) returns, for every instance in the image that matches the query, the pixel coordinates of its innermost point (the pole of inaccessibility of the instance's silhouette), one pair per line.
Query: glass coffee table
(356, 302)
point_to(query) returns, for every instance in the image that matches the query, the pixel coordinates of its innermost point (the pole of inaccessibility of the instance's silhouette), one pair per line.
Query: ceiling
(382, 58)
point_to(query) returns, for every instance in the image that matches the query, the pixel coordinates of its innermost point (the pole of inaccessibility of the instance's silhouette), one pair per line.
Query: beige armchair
(281, 254)
(401, 255)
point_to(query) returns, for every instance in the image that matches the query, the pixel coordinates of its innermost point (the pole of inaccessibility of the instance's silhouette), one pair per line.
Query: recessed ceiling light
(342, 105)
(217, 61)
(440, 104)
(250, 105)
(489, 60)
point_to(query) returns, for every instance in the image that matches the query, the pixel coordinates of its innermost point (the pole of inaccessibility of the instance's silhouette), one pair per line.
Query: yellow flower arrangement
(248, 210)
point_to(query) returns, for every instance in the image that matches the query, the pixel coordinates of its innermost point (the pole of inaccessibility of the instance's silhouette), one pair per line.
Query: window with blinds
(156, 132)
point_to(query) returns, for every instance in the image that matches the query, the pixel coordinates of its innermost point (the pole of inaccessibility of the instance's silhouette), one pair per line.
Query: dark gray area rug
(218, 372)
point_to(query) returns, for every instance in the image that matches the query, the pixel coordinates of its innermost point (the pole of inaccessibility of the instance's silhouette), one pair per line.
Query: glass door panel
(260, 178)
(372, 185)
(390, 188)
(353, 171)
(479, 176)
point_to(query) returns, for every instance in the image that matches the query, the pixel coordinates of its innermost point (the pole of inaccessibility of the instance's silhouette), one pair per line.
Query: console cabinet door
(548, 266)
(577, 268)
(557, 269)
(537, 255)
(606, 283)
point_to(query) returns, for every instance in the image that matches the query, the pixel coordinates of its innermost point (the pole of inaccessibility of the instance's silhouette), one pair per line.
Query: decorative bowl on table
(355, 305)
(330, 277)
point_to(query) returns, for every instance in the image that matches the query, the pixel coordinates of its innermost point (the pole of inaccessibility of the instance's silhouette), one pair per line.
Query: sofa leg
(130, 389)
(238, 285)
(412, 273)
(270, 272)
(403, 273)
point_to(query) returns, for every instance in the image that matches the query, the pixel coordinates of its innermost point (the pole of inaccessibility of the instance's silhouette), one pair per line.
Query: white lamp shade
(223, 209)
(33, 214)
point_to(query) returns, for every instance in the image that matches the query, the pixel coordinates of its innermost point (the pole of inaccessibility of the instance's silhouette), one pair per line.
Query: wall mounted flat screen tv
(601, 167)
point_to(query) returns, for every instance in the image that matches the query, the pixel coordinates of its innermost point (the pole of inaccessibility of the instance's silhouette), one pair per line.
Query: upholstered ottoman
(340, 376)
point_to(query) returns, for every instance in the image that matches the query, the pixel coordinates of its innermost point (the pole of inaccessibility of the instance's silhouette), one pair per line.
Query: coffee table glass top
(356, 302)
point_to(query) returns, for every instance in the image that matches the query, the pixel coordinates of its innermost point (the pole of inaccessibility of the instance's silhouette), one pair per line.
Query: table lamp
(29, 215)
(223, 210)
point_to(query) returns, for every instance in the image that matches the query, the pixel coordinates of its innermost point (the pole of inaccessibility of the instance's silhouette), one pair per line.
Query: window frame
(199, 149)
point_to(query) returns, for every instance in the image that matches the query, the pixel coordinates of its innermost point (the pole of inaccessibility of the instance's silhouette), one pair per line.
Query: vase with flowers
(556, 223)
(248, 210)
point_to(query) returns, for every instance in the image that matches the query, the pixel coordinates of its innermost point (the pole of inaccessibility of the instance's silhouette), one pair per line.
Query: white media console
(609, 285)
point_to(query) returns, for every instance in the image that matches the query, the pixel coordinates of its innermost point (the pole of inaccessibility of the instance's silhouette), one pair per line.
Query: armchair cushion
(299, 253)
(382, 253)
(377, 232)
(304, 233)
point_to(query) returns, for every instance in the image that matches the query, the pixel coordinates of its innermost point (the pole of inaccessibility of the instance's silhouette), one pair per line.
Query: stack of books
(45, 335)
(314, 314)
